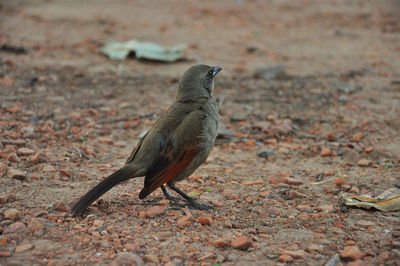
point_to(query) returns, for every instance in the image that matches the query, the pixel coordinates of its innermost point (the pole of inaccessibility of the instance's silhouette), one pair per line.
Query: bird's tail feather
(101, 188)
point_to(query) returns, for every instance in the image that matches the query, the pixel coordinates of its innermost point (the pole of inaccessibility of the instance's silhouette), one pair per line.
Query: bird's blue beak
(216, 70)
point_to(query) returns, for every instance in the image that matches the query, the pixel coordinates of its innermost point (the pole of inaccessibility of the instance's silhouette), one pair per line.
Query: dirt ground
(328, 122)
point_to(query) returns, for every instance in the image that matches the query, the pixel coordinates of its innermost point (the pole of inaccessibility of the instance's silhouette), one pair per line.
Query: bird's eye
(210, 72)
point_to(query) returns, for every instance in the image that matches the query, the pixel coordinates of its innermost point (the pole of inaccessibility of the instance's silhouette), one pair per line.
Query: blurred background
(308, 36)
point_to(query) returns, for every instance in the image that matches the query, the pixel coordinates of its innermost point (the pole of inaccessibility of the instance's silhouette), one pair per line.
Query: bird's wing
(135, 150)
(180, 148)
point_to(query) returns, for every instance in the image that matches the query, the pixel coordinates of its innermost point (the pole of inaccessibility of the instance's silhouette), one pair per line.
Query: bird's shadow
(148, 202)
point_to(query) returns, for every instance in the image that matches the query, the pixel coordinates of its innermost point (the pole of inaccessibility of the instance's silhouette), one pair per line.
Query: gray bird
(178, 143)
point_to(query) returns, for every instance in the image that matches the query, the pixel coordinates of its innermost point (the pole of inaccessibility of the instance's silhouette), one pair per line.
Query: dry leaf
(390, 203)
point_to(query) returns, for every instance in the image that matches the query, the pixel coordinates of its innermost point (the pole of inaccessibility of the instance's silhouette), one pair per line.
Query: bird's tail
(101, 188)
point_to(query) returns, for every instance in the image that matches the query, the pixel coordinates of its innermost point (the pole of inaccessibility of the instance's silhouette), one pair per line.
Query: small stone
(106, 141)
(264, 236)
(283, 150)
(39, 157)
(12, 214)
(272, 117)
(35, 225)
(96, 234)
(14, 227)
(326, 208)
(396, 244)
(154, 211)
(5, 223)
(164, 202)
(98, 223)
(265, 153)
(355, 263)
(60, 206)
(331, 137)
(315, 248)
(65, 172)
(13, 157)
(264, 194)
(357, 137)
(354, 190)
(396, 253)
(221, 243)
(150, 258)
(297, 254)
(27, 131)
(131, 246)
(325, 151)
(384, 255)
(252, 182)
(3, 199)
(350, 155)
(220, 259)
(242, 243)
(364, 223)
(49, 168)
(294, 194)
(4, 154)
(344, 186)
(3, 240)
(24, 248)
(25, 152)
(285, 258)
(204, 219)
(364, 162)
(351, 253)
(283, 127)
(347, 87)
(5, 254)
(227, 192)
(35, 118)
(333, 261)
(232, 257)
(272, 141)
(369, 149)
(16, 142)
(16, 174)
(208, 256)
(2, 167)
(293, 181)
(127, 258)
(184, 221)
(40, 214)
(396, 233)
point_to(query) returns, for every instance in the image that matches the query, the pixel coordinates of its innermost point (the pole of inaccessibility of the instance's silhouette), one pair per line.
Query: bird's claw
(174, 199)
(200, 206)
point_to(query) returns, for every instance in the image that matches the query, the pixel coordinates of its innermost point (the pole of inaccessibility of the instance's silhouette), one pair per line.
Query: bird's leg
(168, 196)
(192, 202)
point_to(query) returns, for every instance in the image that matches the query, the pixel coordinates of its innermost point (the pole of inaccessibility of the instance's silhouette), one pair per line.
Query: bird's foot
(168, 196)
(173, 199)
(199, 206)
(191, 201)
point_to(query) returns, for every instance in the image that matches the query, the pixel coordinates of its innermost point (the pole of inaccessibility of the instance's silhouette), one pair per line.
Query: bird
(176, 145)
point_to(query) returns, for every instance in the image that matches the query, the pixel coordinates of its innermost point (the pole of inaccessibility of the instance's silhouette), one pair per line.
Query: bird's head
(197, 83)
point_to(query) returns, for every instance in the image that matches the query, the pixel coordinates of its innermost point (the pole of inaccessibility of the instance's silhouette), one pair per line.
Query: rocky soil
(310, 102)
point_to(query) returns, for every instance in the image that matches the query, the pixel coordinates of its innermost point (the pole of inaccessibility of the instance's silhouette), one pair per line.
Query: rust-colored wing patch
(165, 168)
